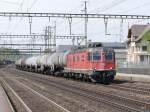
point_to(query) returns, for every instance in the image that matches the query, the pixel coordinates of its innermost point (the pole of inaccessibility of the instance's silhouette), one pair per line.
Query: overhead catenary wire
(73, 24)
(110, 6)
(28, 9)
(20, 8)
(114, 3)
(134, 8)
(33, 3)
(9, 2)
(62, 21)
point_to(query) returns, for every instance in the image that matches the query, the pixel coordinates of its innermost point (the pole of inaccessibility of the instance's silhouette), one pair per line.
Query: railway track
(138, 106)
(72, 102)
(26, 98)
(45, 98)
(139, 90)
(21, 103)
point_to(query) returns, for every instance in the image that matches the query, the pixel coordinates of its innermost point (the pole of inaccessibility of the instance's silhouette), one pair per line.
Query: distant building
(139, 44)
(9, 54)
(63, 48)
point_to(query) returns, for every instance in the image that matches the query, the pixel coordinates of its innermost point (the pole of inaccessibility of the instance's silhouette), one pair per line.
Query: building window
(144, 48)
(141, 58)
(135, 37)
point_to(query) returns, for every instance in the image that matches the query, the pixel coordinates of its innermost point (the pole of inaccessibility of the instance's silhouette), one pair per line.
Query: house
(139, 44)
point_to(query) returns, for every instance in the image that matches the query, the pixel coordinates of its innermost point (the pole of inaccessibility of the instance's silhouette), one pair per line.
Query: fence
(130, 68)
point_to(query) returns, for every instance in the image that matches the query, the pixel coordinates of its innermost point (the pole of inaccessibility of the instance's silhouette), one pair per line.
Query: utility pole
(121, 30)
(55, 31)
(70, 25)
(50, 38)
(30, 22)
(86, 21)
(45, 38)
(106, 24)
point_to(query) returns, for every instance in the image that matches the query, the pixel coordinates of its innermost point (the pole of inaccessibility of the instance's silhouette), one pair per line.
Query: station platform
(133, 77)
(5, 105)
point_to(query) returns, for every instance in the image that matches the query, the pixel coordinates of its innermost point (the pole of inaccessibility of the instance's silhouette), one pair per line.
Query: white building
(138, 44)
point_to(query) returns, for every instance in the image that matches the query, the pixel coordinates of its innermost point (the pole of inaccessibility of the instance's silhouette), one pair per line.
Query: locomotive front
(102, 64)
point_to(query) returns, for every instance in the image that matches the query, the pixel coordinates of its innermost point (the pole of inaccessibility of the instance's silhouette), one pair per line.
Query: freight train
(93, 63)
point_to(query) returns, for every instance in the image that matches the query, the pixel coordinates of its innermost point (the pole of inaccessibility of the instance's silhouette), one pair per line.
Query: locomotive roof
(83, 49)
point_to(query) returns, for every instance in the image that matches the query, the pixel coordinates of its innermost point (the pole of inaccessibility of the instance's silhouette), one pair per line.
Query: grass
(146, 36)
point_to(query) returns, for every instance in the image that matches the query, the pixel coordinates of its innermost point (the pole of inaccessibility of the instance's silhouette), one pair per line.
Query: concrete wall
(133, 77)
(145, 71)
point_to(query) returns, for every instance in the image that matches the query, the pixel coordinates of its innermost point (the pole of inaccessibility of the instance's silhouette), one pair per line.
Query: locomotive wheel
(111, 78)
(106, 80)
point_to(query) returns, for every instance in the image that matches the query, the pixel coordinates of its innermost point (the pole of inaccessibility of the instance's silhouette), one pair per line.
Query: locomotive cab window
(95, 56)
(109, 56)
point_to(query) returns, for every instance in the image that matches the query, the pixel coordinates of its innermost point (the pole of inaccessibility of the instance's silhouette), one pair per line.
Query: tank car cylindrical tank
(38, 60)
(31, 61)
(57, 59)
(63, 59)
(43, 60)
(18, 62)
(53, 59)
(52, 62)
(23, 61)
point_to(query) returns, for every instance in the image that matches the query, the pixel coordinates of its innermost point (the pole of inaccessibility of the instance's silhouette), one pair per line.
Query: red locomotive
(96, 64)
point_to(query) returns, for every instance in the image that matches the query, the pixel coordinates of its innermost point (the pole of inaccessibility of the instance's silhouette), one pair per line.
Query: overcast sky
(96, 29)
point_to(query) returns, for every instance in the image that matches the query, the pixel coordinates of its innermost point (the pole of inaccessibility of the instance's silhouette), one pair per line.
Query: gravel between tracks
(77, 101)
(100, 87)
(68, 100)
(34, 102)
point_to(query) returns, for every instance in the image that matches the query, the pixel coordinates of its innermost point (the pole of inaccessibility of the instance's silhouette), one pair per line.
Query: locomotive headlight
(94, 68)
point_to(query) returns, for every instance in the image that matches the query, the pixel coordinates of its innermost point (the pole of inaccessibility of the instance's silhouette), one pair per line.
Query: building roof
(136, 30)
(142, 34)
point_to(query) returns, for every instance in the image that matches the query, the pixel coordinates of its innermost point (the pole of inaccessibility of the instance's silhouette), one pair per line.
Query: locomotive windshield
(94, 56)
(109, 56)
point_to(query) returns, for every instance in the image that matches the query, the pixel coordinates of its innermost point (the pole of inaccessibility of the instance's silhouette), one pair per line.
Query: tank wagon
(31, 64)
(96, 64)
